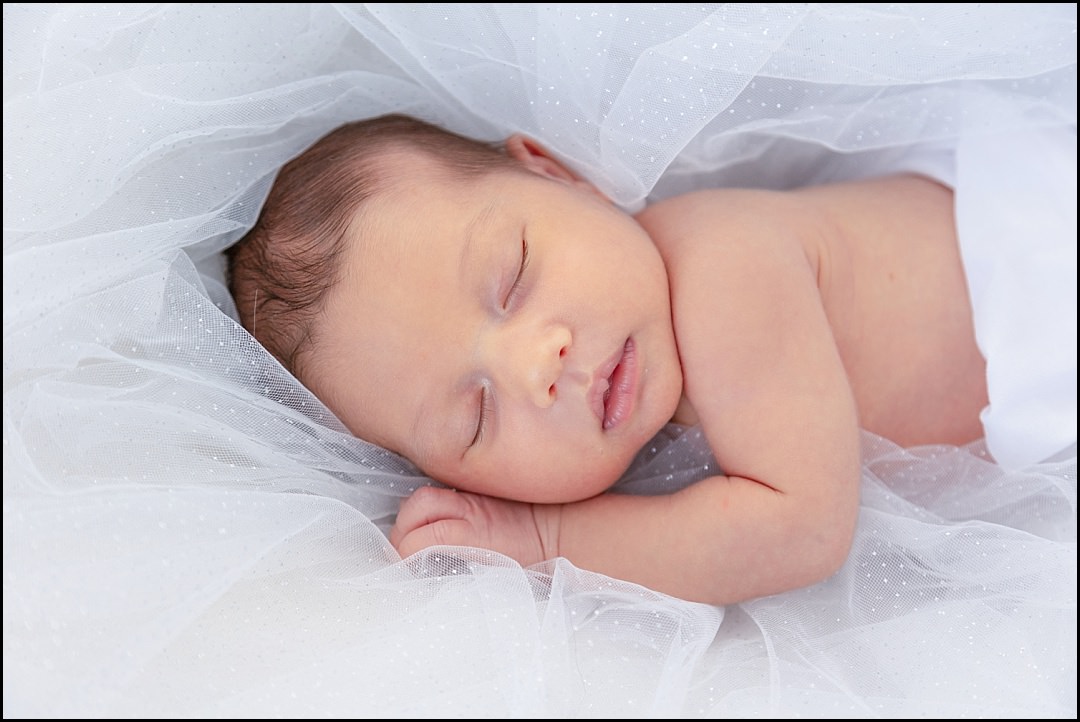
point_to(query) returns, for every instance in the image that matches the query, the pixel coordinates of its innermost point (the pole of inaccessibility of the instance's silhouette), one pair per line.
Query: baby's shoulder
(811, 217)
(728, 220)
(714, 205)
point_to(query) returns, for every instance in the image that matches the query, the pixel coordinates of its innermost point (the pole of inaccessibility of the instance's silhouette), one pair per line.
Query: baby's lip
(611, 394)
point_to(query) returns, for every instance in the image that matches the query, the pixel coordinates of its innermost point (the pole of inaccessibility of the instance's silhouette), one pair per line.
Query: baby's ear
(539, 160)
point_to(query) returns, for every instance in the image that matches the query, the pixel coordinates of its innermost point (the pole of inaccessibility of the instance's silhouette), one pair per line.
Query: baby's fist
(528, 533)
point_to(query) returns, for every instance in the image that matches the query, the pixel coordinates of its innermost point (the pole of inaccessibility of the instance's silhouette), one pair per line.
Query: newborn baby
(488, 314)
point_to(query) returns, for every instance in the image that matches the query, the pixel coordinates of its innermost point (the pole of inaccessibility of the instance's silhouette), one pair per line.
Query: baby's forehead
(405, 179)
(423, 204)
(424, 188)
(400, 161)
(416, 216)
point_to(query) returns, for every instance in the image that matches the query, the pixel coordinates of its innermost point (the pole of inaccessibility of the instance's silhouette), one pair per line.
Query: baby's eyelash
(486, 407)
(485, 412)
(521, 273)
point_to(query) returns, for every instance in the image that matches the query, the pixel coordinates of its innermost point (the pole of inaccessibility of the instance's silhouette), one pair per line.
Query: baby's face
(511, 335)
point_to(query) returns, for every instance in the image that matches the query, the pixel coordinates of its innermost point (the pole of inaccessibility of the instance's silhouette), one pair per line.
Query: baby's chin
(569, 476)
(561, 484)
(562, 487)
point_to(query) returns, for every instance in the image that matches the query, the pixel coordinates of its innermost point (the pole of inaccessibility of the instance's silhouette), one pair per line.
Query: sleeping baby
(491, 316)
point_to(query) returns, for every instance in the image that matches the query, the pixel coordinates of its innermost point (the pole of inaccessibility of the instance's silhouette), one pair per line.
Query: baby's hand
(431, 516)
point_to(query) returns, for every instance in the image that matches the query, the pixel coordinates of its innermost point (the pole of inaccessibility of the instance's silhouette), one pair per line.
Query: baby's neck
(684, 413)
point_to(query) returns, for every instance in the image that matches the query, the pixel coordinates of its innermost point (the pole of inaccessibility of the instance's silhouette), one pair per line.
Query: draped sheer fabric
(189, 532)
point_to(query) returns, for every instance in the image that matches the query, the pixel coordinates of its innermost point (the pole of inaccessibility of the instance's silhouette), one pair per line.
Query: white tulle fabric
(188, 532)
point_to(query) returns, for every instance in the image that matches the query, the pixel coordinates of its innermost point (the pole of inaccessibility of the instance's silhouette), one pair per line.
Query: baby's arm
(763, 373)
(765, 379)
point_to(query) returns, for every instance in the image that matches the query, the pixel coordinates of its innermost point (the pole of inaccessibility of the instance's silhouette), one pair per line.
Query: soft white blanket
(187, 532)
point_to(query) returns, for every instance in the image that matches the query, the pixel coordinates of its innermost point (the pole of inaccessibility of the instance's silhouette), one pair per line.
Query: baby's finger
(426, 505)
(445, 532)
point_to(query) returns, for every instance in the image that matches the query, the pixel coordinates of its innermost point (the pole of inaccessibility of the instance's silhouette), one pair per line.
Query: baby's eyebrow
(433, 434)
(481, 219)
(420, 431)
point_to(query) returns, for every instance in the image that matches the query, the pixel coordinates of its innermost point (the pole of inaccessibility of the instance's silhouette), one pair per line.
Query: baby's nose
(537, 363)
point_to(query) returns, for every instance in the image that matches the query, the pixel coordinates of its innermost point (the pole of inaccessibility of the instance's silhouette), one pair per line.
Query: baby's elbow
(834, 542)
(836, 552)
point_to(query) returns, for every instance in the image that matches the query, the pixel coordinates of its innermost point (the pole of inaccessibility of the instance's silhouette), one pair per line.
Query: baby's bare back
(895, 293)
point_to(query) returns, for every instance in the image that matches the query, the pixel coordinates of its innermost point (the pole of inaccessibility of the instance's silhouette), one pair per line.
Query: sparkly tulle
(188, 532)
